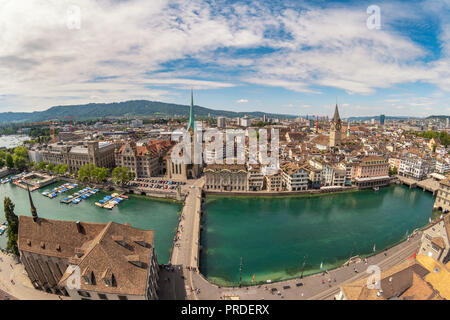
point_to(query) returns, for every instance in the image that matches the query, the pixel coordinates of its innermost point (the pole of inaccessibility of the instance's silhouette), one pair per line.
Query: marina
(109, 202)
(79, 196)
(140, 211)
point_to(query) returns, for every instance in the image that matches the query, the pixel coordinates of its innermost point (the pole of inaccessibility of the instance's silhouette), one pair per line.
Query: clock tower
(335, 129)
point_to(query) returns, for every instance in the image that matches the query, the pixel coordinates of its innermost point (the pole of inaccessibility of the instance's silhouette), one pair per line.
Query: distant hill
(438, 117)
(124, 109)
(365, 118)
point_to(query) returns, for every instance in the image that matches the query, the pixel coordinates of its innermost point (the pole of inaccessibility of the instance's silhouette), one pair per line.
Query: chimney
(32, 208)
(79, 228)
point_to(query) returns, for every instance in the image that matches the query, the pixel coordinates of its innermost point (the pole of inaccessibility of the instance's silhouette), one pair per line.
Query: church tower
(335, 129)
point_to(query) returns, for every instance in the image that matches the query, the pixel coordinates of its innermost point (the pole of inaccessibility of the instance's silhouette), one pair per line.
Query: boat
(376, 188)
(98, 204)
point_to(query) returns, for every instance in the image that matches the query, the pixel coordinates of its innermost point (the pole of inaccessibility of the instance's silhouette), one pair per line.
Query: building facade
(226, 177)
(101, 154)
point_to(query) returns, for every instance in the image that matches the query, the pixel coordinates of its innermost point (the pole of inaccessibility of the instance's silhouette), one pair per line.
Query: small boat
(98, 204)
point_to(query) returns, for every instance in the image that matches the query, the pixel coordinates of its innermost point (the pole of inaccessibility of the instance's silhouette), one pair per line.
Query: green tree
(49, 167)
(20, 163)
(42, 165)
(86, 172)
(63, 169)
(21, 152)
(101, 174)
(122, 175)
(9, 161)
(13, 226)
(2, 163)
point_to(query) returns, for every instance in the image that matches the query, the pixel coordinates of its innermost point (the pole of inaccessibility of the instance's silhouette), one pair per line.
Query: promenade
(312, 287)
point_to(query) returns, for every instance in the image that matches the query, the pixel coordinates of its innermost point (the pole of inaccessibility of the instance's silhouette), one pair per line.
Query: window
(123, 298)
(84, 293)
(102, 296)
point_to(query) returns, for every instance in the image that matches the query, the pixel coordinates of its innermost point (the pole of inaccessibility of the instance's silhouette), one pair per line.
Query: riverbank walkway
(314, 287)
(185, 259)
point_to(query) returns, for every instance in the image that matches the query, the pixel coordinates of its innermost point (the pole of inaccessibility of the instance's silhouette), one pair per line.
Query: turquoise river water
(141, 212)
(274, 235)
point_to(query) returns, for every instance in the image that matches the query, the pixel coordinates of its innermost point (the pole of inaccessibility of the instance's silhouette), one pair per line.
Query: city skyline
(292, 58)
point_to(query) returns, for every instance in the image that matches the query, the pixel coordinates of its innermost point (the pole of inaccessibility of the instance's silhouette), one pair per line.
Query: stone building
(418, 278)
(180, 170)
(294, 177)
(443, 196)
(255, 178)
(114, 261)
(435, 240)
(274, 182)
(226, 177)
(146, 160)
(370, 172)
(101, 154)
(335, 129)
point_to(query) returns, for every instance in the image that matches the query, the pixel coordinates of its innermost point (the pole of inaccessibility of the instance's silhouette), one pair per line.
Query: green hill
(123, 109)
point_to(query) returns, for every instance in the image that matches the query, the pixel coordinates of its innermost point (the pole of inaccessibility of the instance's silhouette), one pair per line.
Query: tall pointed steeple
(191, 124)
(32, 208)
(336, 117)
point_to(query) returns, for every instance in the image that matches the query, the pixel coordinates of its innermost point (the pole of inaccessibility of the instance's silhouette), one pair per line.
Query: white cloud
(127, 47)
(242, 101)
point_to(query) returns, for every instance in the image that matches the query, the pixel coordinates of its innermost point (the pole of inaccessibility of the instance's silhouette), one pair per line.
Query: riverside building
(114, 261)
(101, 154)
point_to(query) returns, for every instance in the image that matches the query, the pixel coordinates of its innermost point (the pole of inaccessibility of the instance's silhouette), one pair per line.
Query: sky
(291, 57)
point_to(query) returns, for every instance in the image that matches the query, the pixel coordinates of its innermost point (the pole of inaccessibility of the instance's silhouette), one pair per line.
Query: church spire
(348, 129)
(32, 208)
(191, 124)
(336, 117)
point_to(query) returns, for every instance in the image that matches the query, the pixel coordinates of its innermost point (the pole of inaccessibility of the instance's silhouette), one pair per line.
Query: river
(140, 211)
(274, 236)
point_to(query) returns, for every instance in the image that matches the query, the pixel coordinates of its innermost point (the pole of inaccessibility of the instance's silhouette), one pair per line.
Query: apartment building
(226, 177)
(413, 166)
(294, 177)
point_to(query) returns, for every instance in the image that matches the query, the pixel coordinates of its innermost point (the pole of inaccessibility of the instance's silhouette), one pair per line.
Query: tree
(63, 169)
(9, 161)
(122, 175)
(20, 163)
(86, 172)
(2, 163)
(49, 167)
(21, 152)
(13, 226)
(41, 165)
(57, 168)
(101, 174)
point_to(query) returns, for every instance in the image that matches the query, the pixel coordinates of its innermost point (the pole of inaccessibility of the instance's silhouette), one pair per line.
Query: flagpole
(303, 266)
(240, 274)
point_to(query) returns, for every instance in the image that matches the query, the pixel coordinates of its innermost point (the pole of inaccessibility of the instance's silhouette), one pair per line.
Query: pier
(67, 201)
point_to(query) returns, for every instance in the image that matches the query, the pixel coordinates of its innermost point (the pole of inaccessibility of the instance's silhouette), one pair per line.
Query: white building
(294, 177)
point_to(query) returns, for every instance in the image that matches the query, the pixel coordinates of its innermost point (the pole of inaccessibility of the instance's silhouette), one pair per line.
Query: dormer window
(120, 240)
(141, 241)
(29, 242)
(42, 244)
(108, 278)
(88, 276)
(79, 252)
(58, 247)
(135, 260)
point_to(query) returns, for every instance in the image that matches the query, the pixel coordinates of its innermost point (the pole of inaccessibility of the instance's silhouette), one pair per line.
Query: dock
(83, 194)
(109, 202)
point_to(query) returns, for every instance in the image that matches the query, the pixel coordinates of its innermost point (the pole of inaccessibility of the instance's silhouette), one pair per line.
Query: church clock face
(338, 126)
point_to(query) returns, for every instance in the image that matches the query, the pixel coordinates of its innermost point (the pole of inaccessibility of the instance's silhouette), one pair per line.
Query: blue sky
(294, 57)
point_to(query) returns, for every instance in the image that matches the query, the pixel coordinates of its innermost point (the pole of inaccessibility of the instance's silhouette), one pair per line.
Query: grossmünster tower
(335, 129)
